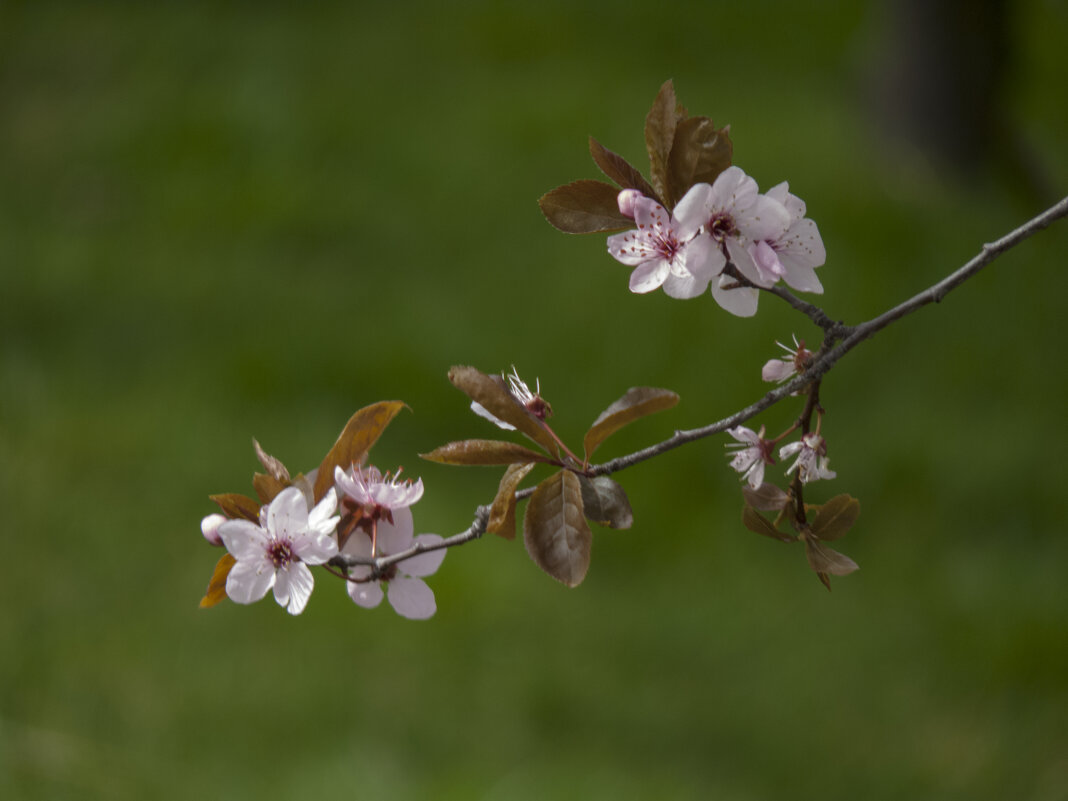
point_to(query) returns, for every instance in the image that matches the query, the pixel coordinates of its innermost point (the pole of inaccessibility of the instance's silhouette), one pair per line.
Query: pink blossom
(780, 370)
(795, 253)
(665, 250)
(378, 496)
(276, 553)
(749, 455)
(811, 464)
(408, 594)
(209, 527)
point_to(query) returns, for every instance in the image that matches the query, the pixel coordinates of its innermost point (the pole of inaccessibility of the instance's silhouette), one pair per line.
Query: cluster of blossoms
(365, 516)
(766, 237)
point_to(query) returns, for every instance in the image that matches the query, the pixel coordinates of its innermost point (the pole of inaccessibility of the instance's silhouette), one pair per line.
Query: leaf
(605, 502)
(555, 530)
(502, 513)
(636, 403)
(483, 451)
(267, 487)
(217, 586)
(360, 433)
(498, 401)
(620, 170)
(754, 521)
(237, 506)
(273, 466)
(767, 497)
(660, 124)
(827, 560)
(699, 154)
(835, 517)
(584, 207)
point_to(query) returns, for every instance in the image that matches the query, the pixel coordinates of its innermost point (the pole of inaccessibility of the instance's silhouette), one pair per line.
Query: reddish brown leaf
(491, 393)
(636, 403)
(699, 154)
(237, 506)
(267, 487)
(555, 530)
(584, 207)
(605, 502)
(273, 466)
(620, 170)
(756, 522)
(767, 497)
(502, 513)
(834, 518)
(483, 452)
(217, 586)
(660, 124)
(356, 439)
(827, 560)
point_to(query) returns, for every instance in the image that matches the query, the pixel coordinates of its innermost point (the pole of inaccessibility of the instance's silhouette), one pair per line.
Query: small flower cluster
(767, 238)
(364, 516)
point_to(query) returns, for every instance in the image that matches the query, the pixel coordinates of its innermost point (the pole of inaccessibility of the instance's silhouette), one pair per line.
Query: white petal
(788, 450)
(693, 210)
(244, 540)
(741, 301)
(755, 475)
(732, 188)
(249, 581)
(288, 513)
(482, 411)
(764, 219)
(412, 598)
(367, 594)
(293, 587)
(630, 248)
(358, 544)
(319, 518)
(743, 434)
(649, 275)
(777, 370)
(396, 536)
(425, 564)
(314, 548)
(685, 287)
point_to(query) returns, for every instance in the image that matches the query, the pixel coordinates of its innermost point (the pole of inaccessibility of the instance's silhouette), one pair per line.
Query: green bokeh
(252, 219)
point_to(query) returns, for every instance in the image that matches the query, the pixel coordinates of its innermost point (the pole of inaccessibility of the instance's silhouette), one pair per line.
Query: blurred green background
(220, 221)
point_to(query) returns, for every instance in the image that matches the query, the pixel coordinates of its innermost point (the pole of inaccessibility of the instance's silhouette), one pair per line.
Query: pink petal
(425, 564)
(630, 248)
(367, 594)
(244, 540)
(412, 598)
(396, 536)
(249, 581)
(358, 545)
(777, 370)
(649, 275)
(741, 301)
(288, 513)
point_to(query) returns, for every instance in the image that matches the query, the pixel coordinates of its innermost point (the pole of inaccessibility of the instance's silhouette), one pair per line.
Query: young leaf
(827, 560)
(267, 487)
(660, 124)
(237, 506)
(836, 517)
(360, 433)
(605, 502)
(699, 154)
(620, 170)
(502, 513)
(555, 530)
(483, 451)
(754, 521)
(767, 497)
(584, 207)
(217, 586)
(273, 466)
(636, 403)
(499, 402)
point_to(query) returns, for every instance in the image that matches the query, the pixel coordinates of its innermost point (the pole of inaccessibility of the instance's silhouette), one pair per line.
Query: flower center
(280, 552)
(667, 245)
(721, 225)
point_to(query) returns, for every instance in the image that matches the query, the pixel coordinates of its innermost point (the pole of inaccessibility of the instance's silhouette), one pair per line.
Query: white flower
(780, 370)
(665, 250)
(734, 214)
(533, 401)
(749, 454)
(408, 594)
(378, 495)
(276, 553)
(811, 461)
(794, 254)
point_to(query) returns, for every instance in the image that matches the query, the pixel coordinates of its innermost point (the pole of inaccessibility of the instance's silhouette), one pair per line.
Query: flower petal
(244, 540)
(288, 513)
(314, 548)
(741, 301)
(425, 564)
(249, 580)
(649, 275)
(367, 594)
(293, 587)
(396, 536)
(412, 598)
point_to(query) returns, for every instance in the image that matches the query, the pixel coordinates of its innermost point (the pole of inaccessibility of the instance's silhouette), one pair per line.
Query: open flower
(794, 254)
(749, 454)
(533, 401)
(734, 214)
(780, 370)
(408, 594)
(276, 553)
(666, 250)
(811, 464)
(376, 495)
